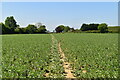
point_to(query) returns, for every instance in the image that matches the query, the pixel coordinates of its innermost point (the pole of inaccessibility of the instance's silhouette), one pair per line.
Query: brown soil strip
(46, 74)
(66, 65)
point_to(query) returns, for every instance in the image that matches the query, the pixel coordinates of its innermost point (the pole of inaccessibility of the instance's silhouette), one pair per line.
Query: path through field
(66, 64)
(60, 56)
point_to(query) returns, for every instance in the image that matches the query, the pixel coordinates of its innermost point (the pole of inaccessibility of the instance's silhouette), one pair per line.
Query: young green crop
(0, 56)
(29, 56)
(91, 55)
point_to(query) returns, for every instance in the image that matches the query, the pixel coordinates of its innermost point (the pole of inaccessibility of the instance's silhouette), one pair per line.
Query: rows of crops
(0, 56)
(30, 56)
(91, 55)
(37, 56)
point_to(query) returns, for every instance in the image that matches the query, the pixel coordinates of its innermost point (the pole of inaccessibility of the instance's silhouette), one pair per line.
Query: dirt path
(66, 65)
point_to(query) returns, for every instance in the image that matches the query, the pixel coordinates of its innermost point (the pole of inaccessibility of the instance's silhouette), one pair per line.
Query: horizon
(52, 14)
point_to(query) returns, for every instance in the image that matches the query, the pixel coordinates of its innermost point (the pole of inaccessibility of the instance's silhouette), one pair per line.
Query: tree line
(103, 28)
(11, 27)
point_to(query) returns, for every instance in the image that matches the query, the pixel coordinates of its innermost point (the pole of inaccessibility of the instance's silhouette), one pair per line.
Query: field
(114, 29)
(29, 56)
(91, 55)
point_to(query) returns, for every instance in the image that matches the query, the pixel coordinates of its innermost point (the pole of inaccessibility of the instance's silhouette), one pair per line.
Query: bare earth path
(66, 65)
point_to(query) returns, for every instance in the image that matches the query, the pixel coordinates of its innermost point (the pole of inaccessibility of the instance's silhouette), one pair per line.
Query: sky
(52, 14)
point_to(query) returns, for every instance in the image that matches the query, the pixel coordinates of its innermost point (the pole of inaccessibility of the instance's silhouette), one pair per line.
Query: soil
(66, 65)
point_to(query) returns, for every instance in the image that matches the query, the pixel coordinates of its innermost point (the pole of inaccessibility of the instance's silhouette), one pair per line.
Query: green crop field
(29, 56)
(114, 29)
(91, 55)
(33, 55)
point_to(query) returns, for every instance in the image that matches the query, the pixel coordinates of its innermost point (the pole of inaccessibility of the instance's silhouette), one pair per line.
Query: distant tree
(18, 26)
(47, 31)
(77, 30)
(103, 27)
(66, 29)
(86, 27)
(93, 26)
(42, 29)
(23, 31)
(0, 28)
(72, 29)
(4, 29)
(20, 30)
(59, 29)
(17, 30)
(31, 29)
(10, 23)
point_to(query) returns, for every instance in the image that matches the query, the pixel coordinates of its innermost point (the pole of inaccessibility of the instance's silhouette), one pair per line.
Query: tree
(4, 29)
(20, 31)
(103, 28)
(31, 29)
(93, 26)
(23, 30)
(10, 23)
(72, 29)
(0, 28)
(42, 29)
(59, 29)
(66, 29)
(86, 27)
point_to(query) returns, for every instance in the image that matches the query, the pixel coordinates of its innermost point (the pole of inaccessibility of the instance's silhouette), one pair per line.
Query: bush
(103, 28)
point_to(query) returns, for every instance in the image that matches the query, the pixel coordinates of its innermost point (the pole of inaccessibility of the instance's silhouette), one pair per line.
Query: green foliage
(0, 28)
(4, 29)
(66, 29)
(23, 31)
(11, 27)
(17, 30)
(20, 31)
(103, 28)
(113, 29)
(62, 28)
(31, 29)
(42, 29)
(95, 53)
(71, 30)
(10, 23)
(59, 29)
(86, 27)
(30, 56)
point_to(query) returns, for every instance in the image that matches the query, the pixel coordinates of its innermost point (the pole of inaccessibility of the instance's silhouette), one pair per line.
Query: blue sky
(52, 14)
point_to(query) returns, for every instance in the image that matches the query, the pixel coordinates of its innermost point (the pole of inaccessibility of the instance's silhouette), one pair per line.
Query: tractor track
(66, 65)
